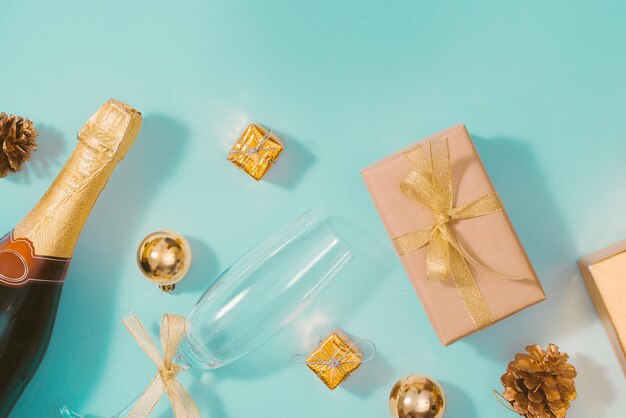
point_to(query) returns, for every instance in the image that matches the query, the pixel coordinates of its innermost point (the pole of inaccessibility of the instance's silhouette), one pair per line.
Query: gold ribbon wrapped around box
(172, 332)
(459, 238)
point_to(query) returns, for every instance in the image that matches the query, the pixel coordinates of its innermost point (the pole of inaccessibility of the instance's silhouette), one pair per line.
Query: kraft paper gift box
(456, 242)
(605, 275)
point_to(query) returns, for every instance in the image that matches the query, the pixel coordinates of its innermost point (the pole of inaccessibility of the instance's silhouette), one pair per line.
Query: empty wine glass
(259, 294)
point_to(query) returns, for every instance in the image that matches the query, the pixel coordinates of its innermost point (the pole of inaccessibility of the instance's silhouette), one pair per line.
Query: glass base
(68, 413)
(192, 354)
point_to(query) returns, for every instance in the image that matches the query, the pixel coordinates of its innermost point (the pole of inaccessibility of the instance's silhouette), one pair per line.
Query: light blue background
(540, 84)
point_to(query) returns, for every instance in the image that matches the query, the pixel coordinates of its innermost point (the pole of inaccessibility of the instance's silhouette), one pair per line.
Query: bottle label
(20, 265)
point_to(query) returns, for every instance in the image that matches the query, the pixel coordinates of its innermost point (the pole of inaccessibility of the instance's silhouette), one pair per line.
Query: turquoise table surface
(540, 85)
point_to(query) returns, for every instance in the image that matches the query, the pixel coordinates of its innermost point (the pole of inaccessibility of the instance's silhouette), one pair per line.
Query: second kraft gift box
(604, 272)
(452, 234)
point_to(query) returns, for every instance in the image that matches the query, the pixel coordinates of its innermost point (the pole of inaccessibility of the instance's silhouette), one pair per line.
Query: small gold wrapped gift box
(334, 359)
(256, 150)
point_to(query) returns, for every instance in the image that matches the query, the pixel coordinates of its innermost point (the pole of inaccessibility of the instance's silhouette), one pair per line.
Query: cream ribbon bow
(172, 332)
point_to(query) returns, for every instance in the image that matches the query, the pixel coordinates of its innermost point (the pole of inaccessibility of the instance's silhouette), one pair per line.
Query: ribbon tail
(139, 333)
(411, 241)
(442, 171)
(437, 257)
(468, 289)
(172, 332)
(484, 205)
(418, 161)
(148, 399)
(182, 403)
(421, 189)
(467, 256)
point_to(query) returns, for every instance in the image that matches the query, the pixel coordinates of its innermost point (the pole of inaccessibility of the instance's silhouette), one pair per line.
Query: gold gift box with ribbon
(452, 234)
(334, 359)
(256, 150)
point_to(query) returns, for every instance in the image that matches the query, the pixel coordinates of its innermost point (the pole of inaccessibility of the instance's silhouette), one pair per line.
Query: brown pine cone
(540, 384)
(17, 142)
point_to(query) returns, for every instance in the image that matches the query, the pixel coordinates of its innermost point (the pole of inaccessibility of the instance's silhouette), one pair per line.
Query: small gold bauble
(164, 258)
(417, 396)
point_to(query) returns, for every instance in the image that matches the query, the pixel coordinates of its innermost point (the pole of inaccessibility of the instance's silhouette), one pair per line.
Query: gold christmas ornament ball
(164, 258)
(417, 396)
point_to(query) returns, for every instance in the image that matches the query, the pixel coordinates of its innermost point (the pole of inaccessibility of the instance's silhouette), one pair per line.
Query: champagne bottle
(36, 254)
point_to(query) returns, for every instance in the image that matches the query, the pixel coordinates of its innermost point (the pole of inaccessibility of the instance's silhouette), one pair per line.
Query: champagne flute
(259, 294)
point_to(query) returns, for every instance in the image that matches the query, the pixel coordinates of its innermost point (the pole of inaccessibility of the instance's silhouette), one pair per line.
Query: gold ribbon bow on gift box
(429, 182)
(172, 332)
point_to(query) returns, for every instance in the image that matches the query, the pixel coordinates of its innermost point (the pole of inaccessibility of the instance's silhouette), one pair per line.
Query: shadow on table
(90, 295)
(209, 401)
(522, 186)
(370, 377)
(459, 404)
(594, 388)
(204, 392)
(204, 270)
(371, 263)
(291, 165)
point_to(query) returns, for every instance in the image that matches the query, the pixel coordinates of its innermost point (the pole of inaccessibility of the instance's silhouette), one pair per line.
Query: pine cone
(17, 142)
(540, 384)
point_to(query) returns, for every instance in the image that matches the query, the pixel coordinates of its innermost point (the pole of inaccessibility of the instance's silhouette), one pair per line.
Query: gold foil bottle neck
(112, 129)
(55, 223)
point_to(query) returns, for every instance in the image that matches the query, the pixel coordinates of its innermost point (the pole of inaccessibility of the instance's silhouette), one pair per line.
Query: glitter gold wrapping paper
(489, 239)
(334, 359)
(256, 150)
(605, 275)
